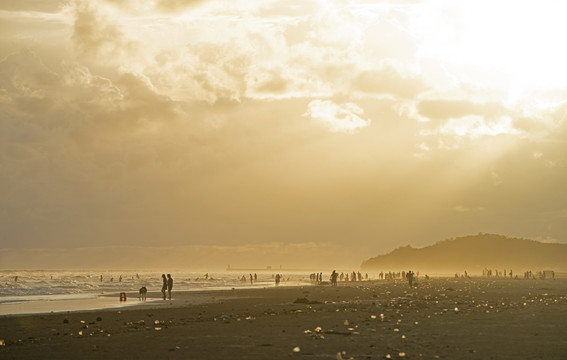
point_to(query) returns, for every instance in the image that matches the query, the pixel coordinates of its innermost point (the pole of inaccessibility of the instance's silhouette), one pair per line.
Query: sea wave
(32, 285)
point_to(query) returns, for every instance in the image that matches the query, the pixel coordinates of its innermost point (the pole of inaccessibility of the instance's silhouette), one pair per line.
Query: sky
(197, 134)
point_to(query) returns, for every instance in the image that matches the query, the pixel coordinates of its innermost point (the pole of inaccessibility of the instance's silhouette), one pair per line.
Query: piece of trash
(387, 356)
(174, 349)
(346, 322)
(318, 329)
(80, 333)
(296, 349)
(456, 309)
(2, 342)
(402, 354)
(157, 329)
(308, 332)
(156, 322)
(373, 316)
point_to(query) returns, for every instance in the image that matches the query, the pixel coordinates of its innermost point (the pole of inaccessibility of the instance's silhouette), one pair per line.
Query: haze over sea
(43, 283)
(47, 285)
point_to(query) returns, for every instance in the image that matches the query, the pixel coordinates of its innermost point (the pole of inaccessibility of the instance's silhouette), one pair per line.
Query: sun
(515, 45)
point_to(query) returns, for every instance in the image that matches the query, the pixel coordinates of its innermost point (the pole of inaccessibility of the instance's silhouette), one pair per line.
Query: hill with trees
(473, 254)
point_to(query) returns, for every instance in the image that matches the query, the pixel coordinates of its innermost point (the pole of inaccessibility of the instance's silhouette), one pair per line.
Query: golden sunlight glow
(240, 124)
(520, 40)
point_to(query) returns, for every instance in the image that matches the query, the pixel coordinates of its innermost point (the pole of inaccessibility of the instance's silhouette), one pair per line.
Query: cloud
(95, 33)
(388, 80)
(474, 126)
(176, 5)
(440, 109)
(32, 5)
(337, 117)
(200, 122)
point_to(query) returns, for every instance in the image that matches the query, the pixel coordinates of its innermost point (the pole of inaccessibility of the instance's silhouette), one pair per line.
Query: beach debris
(80, 333)
(346, 323)
(340, 356)
(373, 316)
(316, 333)
(296, 349)
(174, 348)
(456, 309)
(2, 342)
(387, 356)
(402, 354)
(157, 328)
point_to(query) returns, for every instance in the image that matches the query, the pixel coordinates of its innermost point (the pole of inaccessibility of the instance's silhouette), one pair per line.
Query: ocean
(29, 291)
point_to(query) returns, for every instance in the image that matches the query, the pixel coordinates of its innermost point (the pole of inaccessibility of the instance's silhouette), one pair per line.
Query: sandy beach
(441, 319)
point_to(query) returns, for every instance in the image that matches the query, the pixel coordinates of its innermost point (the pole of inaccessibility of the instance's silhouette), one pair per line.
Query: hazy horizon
(319, 133)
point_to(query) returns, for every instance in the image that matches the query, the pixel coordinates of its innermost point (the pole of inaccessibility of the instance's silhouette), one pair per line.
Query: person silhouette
(169, 285)
(164, 286)
(334, 276)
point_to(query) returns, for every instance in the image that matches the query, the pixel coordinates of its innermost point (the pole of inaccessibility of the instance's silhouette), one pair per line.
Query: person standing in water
(169, 285)
(164, 286)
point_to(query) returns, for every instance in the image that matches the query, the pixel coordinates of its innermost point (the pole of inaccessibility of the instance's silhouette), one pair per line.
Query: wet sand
(443, 318)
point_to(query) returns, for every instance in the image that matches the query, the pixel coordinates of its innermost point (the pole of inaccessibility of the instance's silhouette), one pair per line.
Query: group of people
(410, 276)
(489, 273)
(167, 285)
(252, 278)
